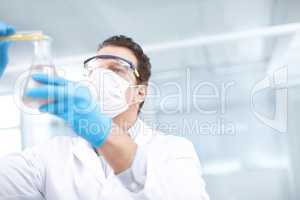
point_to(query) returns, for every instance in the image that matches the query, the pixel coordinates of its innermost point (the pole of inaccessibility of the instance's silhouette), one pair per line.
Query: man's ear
(141, 93)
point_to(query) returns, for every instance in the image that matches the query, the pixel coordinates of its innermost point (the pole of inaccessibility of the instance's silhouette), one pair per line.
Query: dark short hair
(143, 65)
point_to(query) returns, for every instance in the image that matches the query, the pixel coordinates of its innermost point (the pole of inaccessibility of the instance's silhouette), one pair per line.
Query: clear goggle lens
(118, 66)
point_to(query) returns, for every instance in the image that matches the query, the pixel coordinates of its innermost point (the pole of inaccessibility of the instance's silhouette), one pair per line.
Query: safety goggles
(120, 66)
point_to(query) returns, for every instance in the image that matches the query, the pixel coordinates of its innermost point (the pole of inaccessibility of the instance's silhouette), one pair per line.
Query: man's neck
(125, 124)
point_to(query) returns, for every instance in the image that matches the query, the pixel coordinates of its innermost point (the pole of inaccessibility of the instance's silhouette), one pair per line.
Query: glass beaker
(42, 62)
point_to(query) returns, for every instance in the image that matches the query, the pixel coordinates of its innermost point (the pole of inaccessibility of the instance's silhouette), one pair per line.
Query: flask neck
(42, 53)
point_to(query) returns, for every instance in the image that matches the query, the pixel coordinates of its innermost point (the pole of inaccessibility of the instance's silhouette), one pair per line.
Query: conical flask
(42, 62)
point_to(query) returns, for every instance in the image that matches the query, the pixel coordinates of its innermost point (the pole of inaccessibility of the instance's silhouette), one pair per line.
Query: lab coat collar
(141, 133)
(86, 154)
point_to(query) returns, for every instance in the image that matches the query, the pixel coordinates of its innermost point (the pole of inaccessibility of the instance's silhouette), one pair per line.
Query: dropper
(25, 36)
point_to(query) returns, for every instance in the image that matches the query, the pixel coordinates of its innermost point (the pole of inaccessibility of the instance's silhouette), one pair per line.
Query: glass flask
(42, 62)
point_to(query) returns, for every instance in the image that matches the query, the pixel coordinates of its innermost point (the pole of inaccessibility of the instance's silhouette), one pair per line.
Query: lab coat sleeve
(173, 172)
(21, 176)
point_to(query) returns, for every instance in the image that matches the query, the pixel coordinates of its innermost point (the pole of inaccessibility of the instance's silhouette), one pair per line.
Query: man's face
(134, 95)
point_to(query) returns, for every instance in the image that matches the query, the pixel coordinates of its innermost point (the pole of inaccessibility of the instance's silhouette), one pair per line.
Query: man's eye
(117, 70)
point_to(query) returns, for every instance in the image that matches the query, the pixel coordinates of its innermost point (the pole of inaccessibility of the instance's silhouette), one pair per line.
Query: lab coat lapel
(141, 133)
(83, 151)
(85, 154)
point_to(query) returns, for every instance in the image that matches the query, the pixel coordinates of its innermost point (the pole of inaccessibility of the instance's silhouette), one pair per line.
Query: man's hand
(5, 30)
(74, 103)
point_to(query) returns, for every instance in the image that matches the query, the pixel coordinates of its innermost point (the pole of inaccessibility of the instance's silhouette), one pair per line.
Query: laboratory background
(225, 75)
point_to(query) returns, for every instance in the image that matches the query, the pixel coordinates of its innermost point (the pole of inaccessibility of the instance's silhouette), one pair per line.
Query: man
(114, 155)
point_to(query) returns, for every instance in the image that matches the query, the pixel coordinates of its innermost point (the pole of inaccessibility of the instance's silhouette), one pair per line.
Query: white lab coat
(67, 168)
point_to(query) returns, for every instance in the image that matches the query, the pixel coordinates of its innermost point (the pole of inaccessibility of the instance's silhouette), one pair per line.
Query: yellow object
(136, 72)
(25, 36)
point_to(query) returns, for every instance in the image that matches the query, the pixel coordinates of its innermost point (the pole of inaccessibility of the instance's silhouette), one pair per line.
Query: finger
(59, 110)
(4, 48)
(49, 79)
(2, 29)
(47, 92)
(53, 108)
(50, 107)
(6, 29)
(3, 56)
(10, 30)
